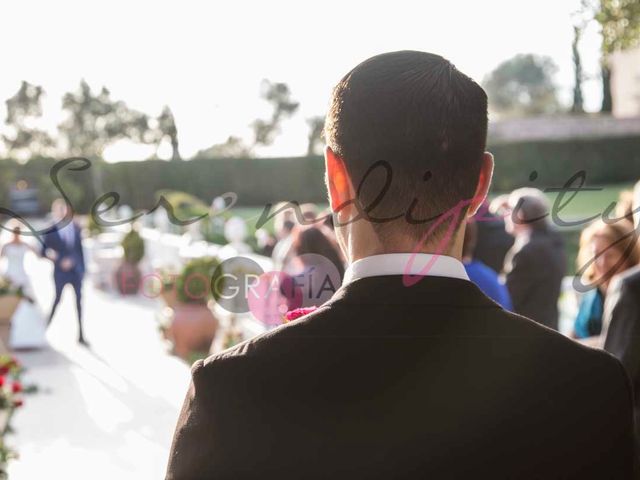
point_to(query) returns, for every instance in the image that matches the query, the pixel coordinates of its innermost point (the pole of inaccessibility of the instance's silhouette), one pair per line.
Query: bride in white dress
(28, 325)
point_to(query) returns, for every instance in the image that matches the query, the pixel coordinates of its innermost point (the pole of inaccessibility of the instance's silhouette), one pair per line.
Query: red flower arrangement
(11, 390)
(298, 312)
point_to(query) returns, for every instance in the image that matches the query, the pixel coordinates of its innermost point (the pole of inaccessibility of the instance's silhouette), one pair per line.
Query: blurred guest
(605, 250)
(624, 206)
(283, 225)
(479, 273)
(536, 263)
(499, 206)
(285, 221)
(317, 263)
(493, 242)
(317, 240)
(621, 322)
(309, 212)
(265, 242)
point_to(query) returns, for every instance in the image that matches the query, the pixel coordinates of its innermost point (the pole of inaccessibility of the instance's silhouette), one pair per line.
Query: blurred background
(189, 101)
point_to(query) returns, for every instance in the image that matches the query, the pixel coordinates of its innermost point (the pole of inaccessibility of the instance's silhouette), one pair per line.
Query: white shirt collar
(424, 264)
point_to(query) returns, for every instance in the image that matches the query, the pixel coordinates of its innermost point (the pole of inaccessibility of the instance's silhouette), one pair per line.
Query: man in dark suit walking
(536, 263)
(409, 371)
(64, 247)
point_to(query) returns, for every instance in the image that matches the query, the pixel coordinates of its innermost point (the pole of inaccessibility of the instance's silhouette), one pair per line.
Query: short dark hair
(423, 119)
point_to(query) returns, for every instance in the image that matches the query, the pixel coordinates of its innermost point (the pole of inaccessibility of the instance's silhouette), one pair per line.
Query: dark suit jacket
(55, 242)
(534, 273)
(622, 325)
(383, 381)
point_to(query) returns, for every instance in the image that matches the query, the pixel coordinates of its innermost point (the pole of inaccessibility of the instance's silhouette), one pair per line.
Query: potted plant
(193, 326)
(168, 286)
(128, 274)
(94, 227)
(169, 297)
(10, 297)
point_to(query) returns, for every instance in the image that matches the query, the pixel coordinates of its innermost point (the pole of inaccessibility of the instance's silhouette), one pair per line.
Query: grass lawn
(587, 204)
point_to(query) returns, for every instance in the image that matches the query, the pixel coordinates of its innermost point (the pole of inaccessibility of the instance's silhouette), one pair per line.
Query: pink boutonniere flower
(298, 312)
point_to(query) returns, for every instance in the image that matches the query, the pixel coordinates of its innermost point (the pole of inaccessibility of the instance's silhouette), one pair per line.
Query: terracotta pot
(5, 417)
(128, 278)
(3, 346)
(169, 297)
(8, 305)
(193, 328)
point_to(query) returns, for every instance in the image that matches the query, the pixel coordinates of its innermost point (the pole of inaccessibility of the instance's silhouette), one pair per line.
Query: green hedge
(36, 173)
(255, 181)
(605, 160)
(262, 180)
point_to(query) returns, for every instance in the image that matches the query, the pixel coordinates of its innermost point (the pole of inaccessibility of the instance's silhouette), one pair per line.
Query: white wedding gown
(28, 325)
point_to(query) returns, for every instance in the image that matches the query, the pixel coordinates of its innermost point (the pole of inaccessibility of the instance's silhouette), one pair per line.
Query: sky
(206, 60)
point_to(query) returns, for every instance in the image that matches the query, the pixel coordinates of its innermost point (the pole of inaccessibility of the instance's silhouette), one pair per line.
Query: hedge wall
(261, 180)
(605, 161)
(255, 181)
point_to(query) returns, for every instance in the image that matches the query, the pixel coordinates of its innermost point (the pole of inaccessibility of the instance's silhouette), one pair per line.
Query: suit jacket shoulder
(386, 381)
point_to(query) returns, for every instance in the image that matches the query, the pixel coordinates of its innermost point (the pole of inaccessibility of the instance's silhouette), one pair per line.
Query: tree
(167, 128)
(316, 126)
(264, 131)
(279, 96)
(233, 147)
(94, 121)
(23, 109)
(523, 85)
(578, 99)
(619, 22)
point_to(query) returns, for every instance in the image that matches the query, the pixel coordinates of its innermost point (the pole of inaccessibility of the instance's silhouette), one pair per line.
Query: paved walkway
(103, 413)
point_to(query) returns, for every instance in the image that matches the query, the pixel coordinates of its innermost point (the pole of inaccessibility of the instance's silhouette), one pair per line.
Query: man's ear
(338, 181)
(484, 183)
